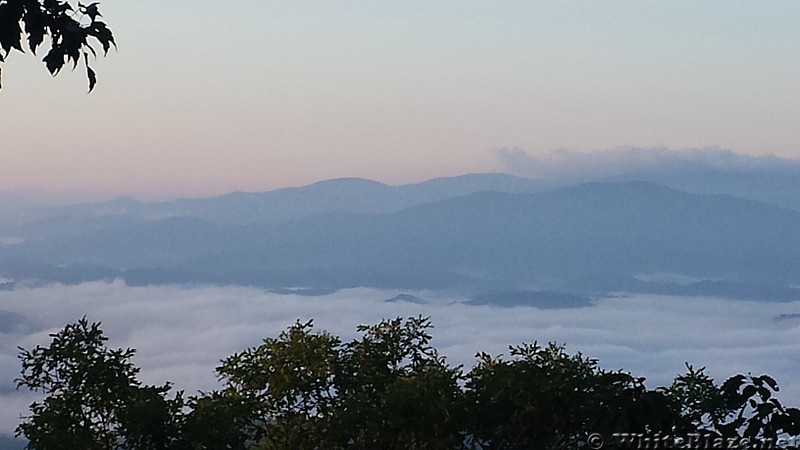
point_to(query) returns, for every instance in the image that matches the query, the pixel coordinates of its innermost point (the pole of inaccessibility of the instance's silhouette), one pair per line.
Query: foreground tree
(545, 398)
(396, 392)
(92, 397)
(387, 389)
(744, 406)
(284, 388)
(69, 32)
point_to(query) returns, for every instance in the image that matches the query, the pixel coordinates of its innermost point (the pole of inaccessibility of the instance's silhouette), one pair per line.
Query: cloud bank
(182, 333)
(566, 163)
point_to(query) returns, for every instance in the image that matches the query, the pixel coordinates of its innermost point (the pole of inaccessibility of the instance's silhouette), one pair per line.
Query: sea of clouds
(181, 333)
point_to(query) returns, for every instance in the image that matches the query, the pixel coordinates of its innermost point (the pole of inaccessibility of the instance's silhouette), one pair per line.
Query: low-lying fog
(181, 333)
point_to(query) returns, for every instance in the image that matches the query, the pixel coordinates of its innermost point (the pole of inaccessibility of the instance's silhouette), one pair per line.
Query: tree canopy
(387, 389)
(67, 31)
(92, 397)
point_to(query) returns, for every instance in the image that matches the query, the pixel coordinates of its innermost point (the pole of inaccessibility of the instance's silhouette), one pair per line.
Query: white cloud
(567, 163)
(182, 333)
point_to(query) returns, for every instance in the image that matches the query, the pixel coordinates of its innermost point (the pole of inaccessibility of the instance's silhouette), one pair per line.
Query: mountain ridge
(578, 238)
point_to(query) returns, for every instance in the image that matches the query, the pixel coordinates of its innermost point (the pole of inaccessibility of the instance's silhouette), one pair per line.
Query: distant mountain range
(241, 208)
(487, 235)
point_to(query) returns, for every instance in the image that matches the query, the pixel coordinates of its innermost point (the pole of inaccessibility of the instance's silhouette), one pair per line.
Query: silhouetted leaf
(90, 10)
(35, 25)
(732, 384)
(89, 72)
(54, 60)
(771, 382)
(749, 391)
(10, 30)
(103, 34)
(91, 49)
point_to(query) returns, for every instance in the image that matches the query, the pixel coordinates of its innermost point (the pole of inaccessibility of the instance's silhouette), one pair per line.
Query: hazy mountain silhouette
(779, 189)
(586, 239)
(766, 178)
(240, 208)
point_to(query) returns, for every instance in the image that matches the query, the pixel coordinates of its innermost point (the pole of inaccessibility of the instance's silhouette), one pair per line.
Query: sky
(181, 334)
(203, 98)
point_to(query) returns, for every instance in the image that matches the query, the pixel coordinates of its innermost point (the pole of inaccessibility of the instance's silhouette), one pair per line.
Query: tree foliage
(69, 32)
(92, 399)
(387, 389)
(743, 406)
(545, 398)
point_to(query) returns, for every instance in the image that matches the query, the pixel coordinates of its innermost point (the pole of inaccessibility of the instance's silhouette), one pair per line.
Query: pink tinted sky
(208, 97)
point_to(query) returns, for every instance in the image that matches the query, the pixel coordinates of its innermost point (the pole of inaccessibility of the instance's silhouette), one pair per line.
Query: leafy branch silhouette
(70, 33)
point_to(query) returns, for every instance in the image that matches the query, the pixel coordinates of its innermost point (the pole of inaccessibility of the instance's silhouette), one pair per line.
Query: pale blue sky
(207, 97)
